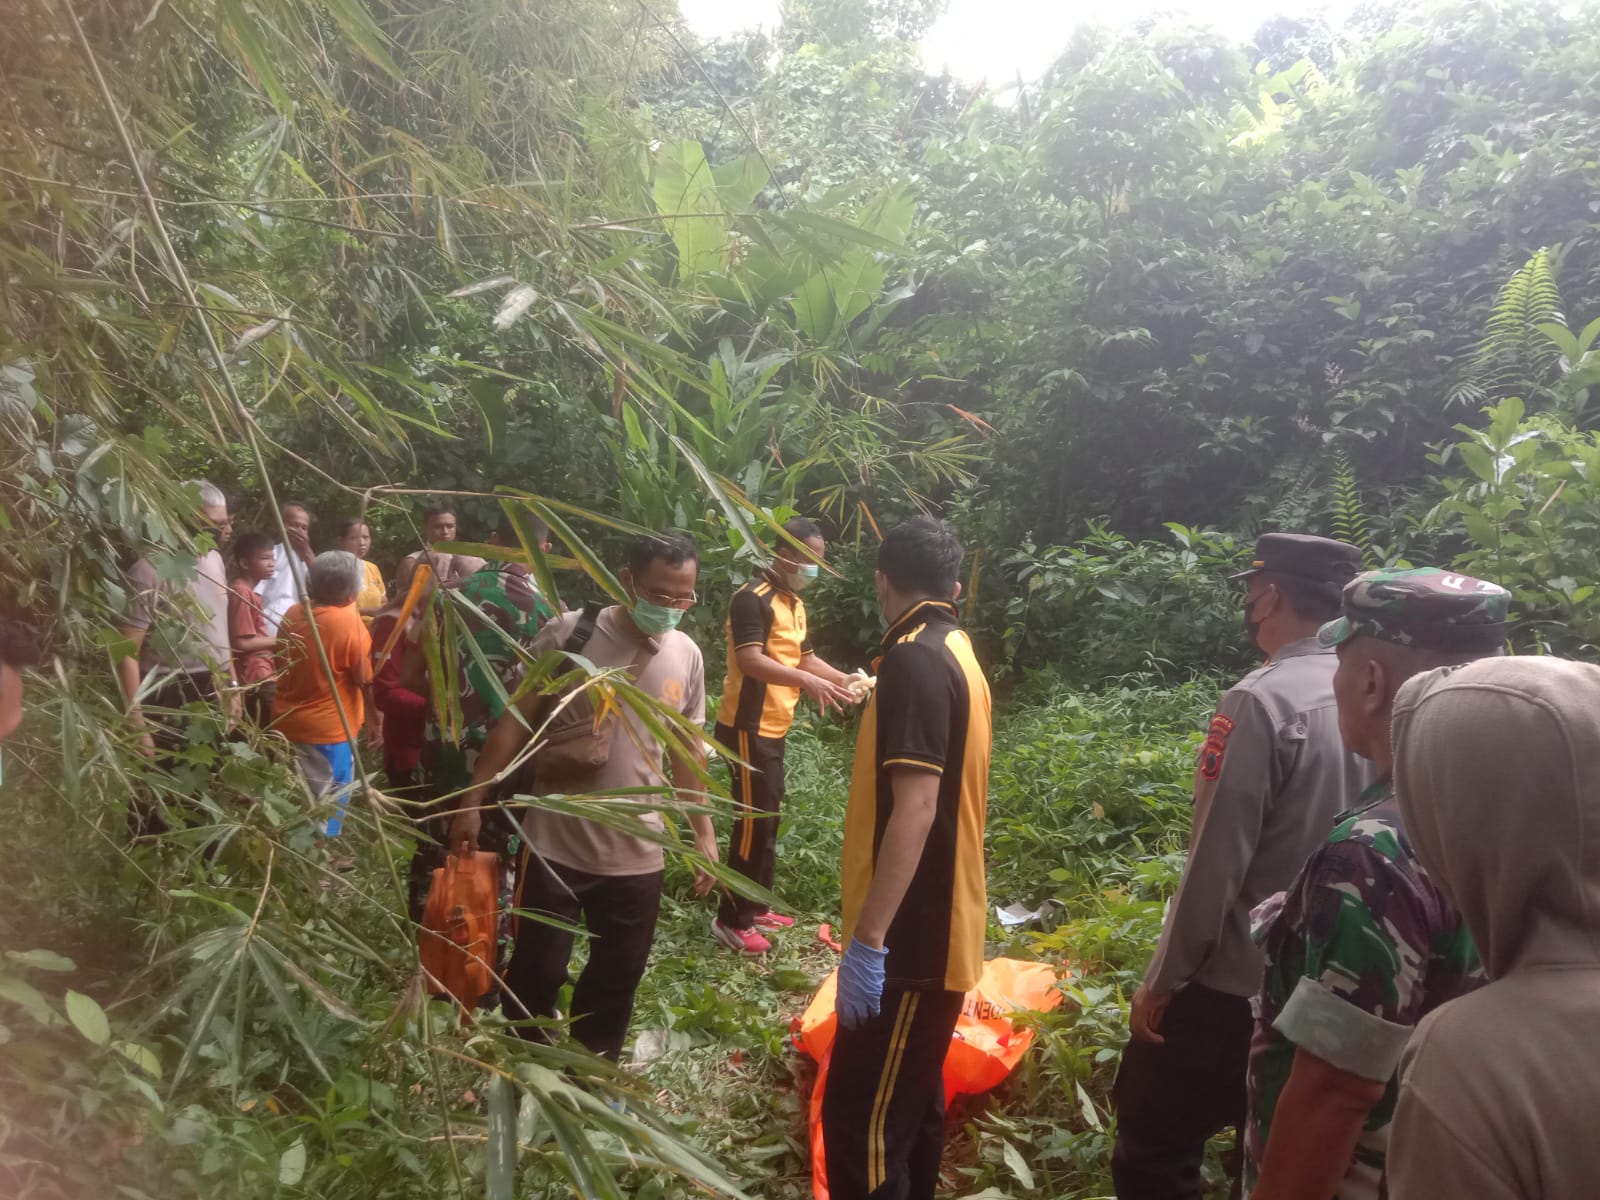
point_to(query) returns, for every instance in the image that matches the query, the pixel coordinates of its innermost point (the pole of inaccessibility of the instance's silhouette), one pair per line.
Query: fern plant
(1350, 522)
(1516, 357)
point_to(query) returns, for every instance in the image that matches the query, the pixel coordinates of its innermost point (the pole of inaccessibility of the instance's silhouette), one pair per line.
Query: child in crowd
(247, 625)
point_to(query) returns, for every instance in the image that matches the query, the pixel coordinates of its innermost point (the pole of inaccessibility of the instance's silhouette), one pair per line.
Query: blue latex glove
(860, 986)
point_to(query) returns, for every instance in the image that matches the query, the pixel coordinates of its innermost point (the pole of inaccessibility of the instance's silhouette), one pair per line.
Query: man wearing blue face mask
(573, 869)
(770, 662)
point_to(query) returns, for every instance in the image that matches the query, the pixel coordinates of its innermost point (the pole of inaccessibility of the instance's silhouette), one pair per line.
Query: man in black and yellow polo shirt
(914, 905)
(770, 662)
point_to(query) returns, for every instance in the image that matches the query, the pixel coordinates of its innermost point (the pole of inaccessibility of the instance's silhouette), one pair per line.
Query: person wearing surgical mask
(605, 876)
(770, 662)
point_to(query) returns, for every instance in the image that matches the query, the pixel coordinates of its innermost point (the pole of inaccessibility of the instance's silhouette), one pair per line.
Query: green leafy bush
(1109, 606)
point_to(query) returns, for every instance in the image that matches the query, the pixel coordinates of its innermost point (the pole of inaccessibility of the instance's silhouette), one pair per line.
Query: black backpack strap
(584, 629)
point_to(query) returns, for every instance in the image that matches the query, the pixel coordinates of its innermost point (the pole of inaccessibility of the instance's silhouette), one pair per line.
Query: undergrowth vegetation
(294, 1056)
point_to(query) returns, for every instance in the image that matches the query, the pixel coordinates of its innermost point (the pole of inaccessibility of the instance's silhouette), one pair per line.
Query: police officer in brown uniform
(1271, 777)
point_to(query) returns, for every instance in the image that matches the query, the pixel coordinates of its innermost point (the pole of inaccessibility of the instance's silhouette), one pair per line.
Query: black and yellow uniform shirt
(763, 614)
(929, 712)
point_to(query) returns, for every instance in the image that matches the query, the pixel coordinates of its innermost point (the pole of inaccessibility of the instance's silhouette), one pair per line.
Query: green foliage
(1349, 517)
(1517, 353)
(1108, 607)
(1528, 510)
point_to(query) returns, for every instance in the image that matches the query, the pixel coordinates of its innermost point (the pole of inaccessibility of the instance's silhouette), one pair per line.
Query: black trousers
(883, 1110)
(170, 732)
(753, 842)
(619, 912)
(1172, 1097)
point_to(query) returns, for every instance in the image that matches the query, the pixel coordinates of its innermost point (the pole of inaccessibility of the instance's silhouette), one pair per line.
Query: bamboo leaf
(246, 35)
(363, 33)
(483, 285)
(587, 558)
(286, 1008)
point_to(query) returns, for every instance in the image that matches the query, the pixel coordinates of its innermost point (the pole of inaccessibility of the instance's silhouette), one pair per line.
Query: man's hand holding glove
(860, 984)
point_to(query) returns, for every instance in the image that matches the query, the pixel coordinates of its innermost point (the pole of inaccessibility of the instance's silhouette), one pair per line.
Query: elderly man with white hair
(321, 706)
(176, 622)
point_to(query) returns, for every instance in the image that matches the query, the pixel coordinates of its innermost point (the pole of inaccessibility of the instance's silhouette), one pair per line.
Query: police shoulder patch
(1216, 746)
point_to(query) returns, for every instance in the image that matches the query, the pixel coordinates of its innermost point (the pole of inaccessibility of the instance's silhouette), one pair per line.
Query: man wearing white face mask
(770, 662)
(576, 870)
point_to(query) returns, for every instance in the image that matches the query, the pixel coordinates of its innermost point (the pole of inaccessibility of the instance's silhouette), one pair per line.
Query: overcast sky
(994, 39)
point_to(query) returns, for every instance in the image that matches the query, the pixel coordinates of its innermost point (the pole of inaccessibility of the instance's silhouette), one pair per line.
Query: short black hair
(247, 544)
(668, 546)
(300, 504)
(349, 523)
(439, 510)
(1311, 601)
(18, 649)
(802, 529)
(921, 557)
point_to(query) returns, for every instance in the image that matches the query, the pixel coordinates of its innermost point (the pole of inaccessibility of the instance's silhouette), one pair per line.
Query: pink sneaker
(745, 941)
(772, 920)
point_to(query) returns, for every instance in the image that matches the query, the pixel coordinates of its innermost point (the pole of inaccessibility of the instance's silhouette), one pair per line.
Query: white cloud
(995, 39)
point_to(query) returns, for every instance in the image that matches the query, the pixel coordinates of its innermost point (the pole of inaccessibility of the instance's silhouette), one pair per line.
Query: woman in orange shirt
(307, 707)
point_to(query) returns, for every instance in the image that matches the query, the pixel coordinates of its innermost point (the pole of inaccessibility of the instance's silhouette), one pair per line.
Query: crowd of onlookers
(285, 638)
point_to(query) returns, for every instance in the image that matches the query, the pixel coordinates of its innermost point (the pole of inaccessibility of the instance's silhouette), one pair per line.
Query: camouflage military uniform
(506, 594)
(1362, 948)
(1363, 945)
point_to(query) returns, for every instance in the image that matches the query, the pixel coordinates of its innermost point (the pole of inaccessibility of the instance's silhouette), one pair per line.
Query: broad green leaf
(141, 1056)
(1017, 1165)
(685, 193)
(26, 997)
(739, 182)
(1086, 1106)
(841, 291)
(292, 1164)
(42, 960)
(88, 1018)
(500, 1175)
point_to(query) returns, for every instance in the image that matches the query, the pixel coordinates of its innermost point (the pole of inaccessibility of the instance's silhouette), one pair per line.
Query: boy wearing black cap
(1270, 779)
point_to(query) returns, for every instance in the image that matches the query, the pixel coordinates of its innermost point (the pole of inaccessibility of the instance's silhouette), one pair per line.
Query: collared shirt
(1270, 779)
(929, 712)
(1363, 947)
(182, 606)
(763, 613)
(674, 674)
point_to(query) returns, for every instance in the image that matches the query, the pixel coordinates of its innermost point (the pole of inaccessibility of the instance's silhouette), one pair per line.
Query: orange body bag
(984, 1047)
(458, 938)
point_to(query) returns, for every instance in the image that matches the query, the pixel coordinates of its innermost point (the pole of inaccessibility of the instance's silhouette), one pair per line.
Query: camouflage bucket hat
(1423, 607)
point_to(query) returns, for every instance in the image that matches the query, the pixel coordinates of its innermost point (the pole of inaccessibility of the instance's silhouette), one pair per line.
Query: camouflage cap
(1423, 607)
